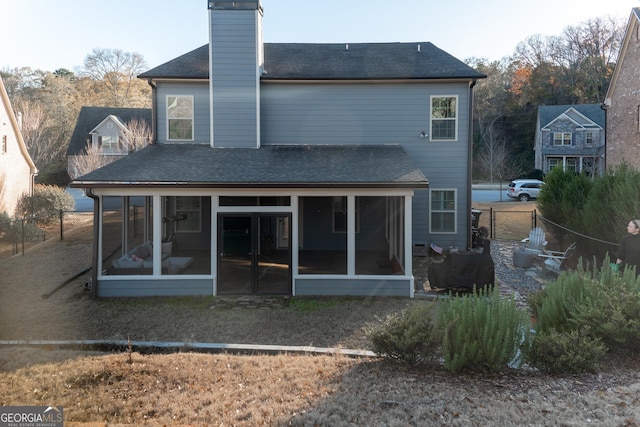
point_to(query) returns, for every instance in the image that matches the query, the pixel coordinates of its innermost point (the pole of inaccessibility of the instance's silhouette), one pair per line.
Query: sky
(53, 34)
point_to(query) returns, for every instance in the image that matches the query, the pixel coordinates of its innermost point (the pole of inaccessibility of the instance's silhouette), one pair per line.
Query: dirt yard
(221, 389)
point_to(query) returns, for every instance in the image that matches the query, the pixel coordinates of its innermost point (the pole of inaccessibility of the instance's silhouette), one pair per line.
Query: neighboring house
(17, 169)
(623, 100)
(290, 169)
(571, 136)
(104, 128)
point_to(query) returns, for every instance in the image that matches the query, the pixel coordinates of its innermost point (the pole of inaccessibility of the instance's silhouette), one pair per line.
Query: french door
(254, 254)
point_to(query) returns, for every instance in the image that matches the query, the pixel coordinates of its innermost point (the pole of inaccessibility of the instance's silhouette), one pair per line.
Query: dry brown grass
(222, 389)
(304, 390)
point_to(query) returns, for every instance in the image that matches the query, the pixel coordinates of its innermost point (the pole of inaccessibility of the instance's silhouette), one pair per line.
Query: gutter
(470, 162)
(154, 115)
(96, 240)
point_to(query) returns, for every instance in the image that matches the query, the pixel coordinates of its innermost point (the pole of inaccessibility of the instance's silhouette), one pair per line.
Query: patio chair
(535, 243)
(555, 261)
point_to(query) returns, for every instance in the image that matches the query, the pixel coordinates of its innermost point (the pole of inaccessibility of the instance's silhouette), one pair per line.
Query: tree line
(49, 102)
(573, 67)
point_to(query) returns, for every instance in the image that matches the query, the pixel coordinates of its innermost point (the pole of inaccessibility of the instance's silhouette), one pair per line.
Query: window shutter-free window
(444, 118)
(180, 118)
(443, 211)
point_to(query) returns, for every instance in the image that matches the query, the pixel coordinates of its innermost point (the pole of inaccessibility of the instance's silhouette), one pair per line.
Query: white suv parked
(524, 189)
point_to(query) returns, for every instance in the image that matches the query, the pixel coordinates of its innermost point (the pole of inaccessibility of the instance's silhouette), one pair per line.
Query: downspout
(470, 165)
(96, 239)
(154, 115)
(605, 107)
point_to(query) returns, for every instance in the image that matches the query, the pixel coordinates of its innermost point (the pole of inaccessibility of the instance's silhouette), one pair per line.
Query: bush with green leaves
(482, 331)
(46, 203)
(408, 337)
(591, 210)
(583, 315)
(572, 351)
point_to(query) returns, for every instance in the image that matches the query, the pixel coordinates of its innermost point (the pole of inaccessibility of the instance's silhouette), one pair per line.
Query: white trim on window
(443, 209)
(443, 118)
(191, 208)
(561, 138)
(180, 117)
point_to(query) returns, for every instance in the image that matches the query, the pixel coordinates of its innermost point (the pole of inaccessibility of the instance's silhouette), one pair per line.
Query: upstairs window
(110, 144)
(588, 137)
(562, 138)
(4, 144)
(444, 118)
(179, 118)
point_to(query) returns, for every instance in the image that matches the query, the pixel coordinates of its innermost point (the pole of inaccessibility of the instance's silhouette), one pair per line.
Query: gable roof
(271, 166)
(634, 21)
(353, 61)
(15, 127)
(90, 117)
(593, 112)
(110, 118)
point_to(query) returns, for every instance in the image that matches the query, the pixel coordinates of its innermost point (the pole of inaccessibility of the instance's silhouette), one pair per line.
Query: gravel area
(515, 281)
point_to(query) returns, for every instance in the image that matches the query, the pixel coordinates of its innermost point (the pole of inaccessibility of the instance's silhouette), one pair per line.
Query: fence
(509, 224)
(18, 235)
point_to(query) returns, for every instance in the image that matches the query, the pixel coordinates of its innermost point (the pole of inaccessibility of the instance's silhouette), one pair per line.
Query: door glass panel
(273, 255)
(235, 259)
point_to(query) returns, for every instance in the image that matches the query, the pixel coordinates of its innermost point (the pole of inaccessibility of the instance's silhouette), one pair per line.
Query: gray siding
(201, 122)
(377, 114)
(235, 59)
(307, 113)
(353, 287)
(156, 287)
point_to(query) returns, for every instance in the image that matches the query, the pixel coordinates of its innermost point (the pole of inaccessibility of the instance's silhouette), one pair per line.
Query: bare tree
(494, 158)
(91, 159)
(138, 134)
(40, 134)
(116, 71)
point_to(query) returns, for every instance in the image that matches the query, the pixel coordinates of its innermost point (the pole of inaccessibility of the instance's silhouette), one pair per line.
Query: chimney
(236, 61)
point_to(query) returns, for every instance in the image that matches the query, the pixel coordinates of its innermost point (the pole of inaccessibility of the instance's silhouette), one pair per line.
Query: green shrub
(482, 331)
(557, 309)
(612, 307)
(409, 337)
(573, 351)
(607, 303)
(46, 203)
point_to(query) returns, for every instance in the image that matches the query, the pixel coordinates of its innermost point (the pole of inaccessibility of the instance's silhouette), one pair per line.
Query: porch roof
(272, 166)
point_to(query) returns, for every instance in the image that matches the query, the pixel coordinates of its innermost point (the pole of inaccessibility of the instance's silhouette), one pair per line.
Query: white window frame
(589, 137)
(182, 226)
(343, 210)
(111, 144)
(555, 160)
(453, 211)
(181, 116)
(433, 118)
(564, 138)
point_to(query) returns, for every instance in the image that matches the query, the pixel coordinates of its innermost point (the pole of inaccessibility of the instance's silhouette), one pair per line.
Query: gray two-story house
(572, 137)
(291, 169)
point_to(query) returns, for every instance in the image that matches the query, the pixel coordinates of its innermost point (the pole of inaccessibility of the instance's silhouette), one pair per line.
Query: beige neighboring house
(17, 170)
(623, 101)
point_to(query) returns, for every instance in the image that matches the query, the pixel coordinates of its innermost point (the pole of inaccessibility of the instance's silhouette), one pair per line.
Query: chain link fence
(19, 235)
